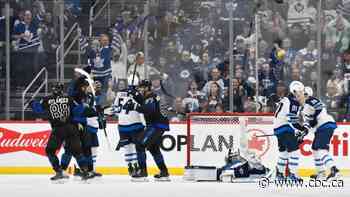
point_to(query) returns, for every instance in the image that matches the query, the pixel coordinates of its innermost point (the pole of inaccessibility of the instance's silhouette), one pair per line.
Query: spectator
(290, 52)
(330, 10)
(100, 63)
(301, 11)
(182, 74)
(215, 78)
(142, 70)
(178, 114)
(267, 80)
(166, 99)
(238, 97)
(193, 91)
(336, 84)
(298, 36)
(49, 39)
(333, 96)
(219, 108)
(26, 44)
(214, 96)
(309, 56)
(338, 34)
(202, 69)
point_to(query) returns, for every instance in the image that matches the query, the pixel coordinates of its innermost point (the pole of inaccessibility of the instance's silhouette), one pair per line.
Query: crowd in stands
(187, 56)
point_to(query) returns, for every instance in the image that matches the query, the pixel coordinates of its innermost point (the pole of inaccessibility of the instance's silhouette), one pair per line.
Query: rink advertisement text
(23, 144)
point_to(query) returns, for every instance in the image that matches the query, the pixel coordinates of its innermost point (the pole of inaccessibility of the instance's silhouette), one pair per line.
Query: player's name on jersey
(58, 100)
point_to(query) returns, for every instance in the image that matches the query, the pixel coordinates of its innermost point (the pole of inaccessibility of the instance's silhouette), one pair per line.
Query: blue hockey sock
(141, 157)
(65, 160)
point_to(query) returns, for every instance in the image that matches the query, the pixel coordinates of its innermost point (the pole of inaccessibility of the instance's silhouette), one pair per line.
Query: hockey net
(211, 135)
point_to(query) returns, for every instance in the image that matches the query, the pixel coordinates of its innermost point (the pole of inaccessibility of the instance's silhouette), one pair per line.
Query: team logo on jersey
(259, 145)
(299, 7)
(12, 141)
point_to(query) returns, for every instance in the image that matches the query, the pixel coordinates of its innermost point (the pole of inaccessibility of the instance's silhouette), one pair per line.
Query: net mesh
(211, 136)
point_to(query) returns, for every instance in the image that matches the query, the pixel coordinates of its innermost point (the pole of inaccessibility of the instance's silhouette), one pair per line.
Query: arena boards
(22, 149)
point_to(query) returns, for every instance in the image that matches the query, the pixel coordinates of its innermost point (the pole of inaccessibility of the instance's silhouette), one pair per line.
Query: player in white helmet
(315, 117)
(285, 126)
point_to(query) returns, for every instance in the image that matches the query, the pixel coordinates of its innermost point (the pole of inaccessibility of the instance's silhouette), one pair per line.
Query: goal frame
(215, 114)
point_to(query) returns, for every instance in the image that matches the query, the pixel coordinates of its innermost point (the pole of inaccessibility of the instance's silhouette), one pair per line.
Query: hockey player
(238, 166)
(59, 109)
(130, 127)
(285, 124)
(156, 125)
(85, 115)
(315, 117)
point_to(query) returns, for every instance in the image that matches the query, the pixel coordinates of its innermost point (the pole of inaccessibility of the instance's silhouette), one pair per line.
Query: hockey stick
(133, 76)
(267, 135)
(91, 85)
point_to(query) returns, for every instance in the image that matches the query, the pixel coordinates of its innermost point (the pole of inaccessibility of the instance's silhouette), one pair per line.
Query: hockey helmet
(145, 83)
(308, 91)
(296, 87)
(57, 89)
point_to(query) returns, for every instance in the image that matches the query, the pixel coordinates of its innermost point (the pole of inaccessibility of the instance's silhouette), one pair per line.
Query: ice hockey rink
(39, 185)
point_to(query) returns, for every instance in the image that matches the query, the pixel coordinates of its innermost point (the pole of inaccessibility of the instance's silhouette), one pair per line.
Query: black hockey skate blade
(141, 180)
(60, 181)
(163, 179)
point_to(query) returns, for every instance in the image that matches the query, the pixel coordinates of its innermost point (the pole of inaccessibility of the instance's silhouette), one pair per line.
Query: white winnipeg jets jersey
(315, 113)
(125, 107)
(286, 115)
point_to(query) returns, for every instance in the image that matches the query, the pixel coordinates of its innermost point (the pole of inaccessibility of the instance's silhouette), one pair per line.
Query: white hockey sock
(326, 158)
(94, 156)
(293, 161)
(130, 154)
(319, 165)
(282, 161)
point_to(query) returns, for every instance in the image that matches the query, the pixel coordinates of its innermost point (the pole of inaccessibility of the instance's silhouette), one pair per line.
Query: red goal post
(209, 135)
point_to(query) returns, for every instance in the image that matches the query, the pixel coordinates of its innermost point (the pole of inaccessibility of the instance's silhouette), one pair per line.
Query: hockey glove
(301, 134)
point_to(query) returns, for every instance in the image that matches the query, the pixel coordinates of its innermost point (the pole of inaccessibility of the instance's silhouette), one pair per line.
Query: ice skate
(60, 177)
(140, 176)
(321, 175)
(334, 174)
(294, 177)
(162, 176)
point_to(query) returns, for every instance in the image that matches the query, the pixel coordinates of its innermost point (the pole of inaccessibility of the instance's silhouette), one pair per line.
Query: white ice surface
(110, 186)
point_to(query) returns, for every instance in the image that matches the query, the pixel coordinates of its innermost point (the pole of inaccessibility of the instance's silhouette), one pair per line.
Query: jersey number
(279, 108)
(59, 111)
(127, 106)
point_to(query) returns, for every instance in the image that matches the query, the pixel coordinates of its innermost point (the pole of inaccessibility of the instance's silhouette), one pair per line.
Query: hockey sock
(94, 157)
(141, 157)
(293, 161)
(319, 165)
(326, 158)
(130, 154)
(282, 162)
(65, 160)
(82, 162)
(158, 158)
(55, 163)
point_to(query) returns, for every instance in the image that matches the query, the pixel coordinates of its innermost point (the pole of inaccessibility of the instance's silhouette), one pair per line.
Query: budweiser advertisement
(23, 145)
